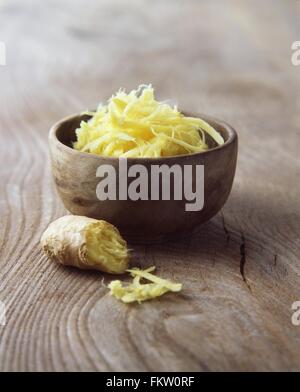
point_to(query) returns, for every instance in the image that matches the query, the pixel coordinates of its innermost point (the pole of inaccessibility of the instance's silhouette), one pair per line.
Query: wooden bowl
(141, 221)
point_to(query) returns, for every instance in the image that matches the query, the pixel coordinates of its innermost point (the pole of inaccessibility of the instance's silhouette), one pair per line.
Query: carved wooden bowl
(141, 221)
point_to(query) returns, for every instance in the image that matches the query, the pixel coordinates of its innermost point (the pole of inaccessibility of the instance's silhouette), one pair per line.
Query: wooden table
(241, 271)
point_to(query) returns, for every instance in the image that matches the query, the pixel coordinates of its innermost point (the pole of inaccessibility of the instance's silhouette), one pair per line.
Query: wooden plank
(240, 270)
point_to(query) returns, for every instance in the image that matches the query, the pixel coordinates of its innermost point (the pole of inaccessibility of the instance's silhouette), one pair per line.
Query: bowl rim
(232, 137)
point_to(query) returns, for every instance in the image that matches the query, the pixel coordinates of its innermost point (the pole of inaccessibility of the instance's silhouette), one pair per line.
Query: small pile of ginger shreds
(138, 292)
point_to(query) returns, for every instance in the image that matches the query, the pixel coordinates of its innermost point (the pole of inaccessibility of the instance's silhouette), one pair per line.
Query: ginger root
(86, 243)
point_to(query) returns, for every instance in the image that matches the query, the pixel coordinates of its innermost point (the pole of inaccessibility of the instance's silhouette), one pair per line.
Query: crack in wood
(225, 229)
(243, 260)
(275, 259)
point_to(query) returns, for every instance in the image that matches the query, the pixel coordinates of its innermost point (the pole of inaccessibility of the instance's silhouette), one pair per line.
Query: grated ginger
(136, 125)
(136, 291)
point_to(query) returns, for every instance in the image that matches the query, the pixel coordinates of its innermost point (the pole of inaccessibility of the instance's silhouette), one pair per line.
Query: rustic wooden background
(241, 271)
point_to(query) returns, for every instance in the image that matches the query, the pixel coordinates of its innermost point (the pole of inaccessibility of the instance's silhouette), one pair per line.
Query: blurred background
(208, 55)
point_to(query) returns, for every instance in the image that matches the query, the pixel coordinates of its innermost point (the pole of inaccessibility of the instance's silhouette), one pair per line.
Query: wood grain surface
(241, 271)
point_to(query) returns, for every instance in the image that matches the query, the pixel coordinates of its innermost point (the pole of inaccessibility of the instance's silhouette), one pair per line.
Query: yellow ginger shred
(139, 292)
(137, 125)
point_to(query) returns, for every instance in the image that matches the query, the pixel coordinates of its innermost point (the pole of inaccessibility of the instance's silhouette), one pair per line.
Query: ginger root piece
(86, 243)
(139, 292)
